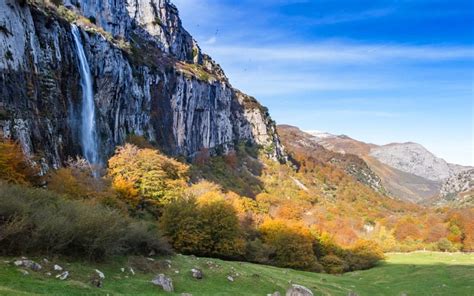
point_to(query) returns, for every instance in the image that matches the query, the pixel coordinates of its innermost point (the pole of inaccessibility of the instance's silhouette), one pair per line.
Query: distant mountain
(297, 140)
(407, 170)
(415, 159)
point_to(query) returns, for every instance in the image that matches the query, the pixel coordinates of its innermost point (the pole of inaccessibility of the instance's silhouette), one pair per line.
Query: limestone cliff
(150, 78)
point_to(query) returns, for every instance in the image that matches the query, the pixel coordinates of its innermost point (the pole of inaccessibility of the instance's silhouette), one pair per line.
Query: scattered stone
(49, 274)
(352, 293)
(45, 261)
(122, 269)
(23, 272)
(63, 276)
(197, 273)
(18, 263)
(164, 282)
(176, 271)
(28, 264)
(100, 274)
(274, 294)
(57, 268)
(298, 290)
(404, 294)
(132, 271)
(230, 278)
(150, 259)
(152, 253)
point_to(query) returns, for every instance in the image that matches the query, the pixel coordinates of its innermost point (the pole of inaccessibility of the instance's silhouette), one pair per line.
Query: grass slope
(415, 274)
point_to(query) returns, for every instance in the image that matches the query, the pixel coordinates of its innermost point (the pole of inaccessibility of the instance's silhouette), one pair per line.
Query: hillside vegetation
(414, 274)
(308, 214)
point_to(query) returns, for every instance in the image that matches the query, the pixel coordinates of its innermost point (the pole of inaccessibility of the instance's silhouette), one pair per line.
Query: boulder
(63, 276)
(57, 268)
(100, 274)
(28, 264)
(197, 273)
(164, 282)
(298, 290)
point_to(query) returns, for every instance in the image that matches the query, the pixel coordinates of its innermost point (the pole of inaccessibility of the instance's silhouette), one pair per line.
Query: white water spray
(89, 139)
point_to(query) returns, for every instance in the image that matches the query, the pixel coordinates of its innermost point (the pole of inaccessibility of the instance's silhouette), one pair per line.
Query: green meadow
(421, 273)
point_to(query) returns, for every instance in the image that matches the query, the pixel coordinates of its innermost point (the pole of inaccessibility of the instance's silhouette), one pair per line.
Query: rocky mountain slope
(149, 78)
(458, 190)
(297, 140)
(415, 159)
(408, 171)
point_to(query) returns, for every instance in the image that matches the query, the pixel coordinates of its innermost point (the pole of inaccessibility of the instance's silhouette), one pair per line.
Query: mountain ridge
(408, 170)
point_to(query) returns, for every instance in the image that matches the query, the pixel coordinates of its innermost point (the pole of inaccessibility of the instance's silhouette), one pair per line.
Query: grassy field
(413, 274)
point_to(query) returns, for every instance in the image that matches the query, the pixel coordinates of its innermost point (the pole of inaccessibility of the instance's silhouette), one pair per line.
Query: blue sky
(378, 71)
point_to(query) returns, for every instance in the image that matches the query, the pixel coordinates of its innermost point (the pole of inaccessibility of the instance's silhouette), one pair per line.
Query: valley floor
(420, 273)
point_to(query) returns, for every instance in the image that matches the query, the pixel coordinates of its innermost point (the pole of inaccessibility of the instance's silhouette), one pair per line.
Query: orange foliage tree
(14, 167)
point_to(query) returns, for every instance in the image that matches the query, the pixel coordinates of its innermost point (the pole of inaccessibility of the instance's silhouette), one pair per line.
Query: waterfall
(89, 139)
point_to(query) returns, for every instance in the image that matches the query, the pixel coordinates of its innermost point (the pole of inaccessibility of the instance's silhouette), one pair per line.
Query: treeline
(143, 196)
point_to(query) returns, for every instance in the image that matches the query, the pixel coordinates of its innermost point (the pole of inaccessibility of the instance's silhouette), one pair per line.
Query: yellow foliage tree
(13, 164)
(292, 244)
(157, 178)
(207, 229)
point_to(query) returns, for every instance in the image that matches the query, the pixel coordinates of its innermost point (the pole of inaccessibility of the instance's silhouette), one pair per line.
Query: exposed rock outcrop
(149, 77)
(415, 159)
(458, 190)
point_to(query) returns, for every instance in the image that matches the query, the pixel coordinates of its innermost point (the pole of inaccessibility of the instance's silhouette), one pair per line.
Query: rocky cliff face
(149, 78)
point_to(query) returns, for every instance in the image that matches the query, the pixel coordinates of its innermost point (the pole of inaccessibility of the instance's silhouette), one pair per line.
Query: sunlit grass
(421, 273)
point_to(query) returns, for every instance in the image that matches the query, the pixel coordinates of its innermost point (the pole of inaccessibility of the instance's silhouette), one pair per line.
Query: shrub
(445, 245)
(364, 255)
(14, 167)
(39, 221)
(292, 245)
(333, 264)
(209, 229)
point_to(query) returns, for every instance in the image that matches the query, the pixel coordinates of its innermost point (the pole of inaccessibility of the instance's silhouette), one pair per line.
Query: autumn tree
(205, 229)
(14, 167)
(157, 178)
(292, 244)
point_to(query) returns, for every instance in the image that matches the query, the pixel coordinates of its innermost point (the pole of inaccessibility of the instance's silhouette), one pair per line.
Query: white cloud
(331, 52)
(211, 40)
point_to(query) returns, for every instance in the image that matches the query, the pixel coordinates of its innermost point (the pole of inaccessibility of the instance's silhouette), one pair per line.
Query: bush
(14, 167)
(333, 264)
(364, 255)
(38, 221)
(208, 229)
(445, 245)
(292, 245)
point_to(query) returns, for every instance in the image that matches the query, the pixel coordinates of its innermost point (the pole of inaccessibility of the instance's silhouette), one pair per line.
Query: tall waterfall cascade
(89, 139)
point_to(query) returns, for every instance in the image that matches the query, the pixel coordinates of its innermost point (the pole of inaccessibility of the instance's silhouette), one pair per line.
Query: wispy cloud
(331, 52)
